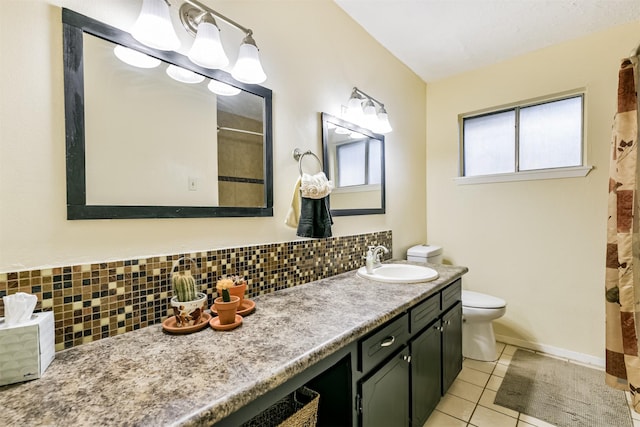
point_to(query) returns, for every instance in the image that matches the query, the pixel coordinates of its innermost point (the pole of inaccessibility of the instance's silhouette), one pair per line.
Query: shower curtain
(622, 278)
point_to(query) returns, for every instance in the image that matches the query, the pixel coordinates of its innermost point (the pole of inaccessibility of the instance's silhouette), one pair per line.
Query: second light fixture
(361, 110)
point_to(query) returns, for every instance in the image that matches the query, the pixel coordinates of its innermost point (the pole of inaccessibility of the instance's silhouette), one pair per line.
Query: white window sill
(357, 188)
(573, 172)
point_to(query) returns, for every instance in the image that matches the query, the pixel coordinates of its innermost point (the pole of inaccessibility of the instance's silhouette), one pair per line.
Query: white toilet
(478, 313)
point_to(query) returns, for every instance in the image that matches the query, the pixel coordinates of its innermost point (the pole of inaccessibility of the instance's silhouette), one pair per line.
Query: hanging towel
(315, 218)
(315, 186)
(293, 214)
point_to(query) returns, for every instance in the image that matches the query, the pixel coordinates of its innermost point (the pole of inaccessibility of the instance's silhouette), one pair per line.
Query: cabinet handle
(406, 358)
(388, 341)
(438, 328)
(448, 322)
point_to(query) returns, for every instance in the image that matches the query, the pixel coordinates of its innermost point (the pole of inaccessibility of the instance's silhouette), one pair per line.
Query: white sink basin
(400, 273)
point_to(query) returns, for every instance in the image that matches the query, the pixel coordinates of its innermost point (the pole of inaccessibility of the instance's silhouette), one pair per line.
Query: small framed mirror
(171, 141)
(354, 161)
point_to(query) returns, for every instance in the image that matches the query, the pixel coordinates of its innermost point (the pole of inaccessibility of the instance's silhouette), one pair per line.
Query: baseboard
(554, 351)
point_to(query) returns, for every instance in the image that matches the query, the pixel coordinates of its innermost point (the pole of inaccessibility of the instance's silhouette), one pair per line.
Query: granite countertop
(148, 377)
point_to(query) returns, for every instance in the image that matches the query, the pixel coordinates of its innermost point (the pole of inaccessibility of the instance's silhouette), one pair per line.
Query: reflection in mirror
(159, 141)
(354, 161)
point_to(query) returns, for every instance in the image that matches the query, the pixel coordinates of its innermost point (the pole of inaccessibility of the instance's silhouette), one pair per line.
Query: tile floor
(469, 401)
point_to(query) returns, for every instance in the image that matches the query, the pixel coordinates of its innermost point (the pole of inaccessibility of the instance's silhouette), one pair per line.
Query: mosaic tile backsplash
(94, 301)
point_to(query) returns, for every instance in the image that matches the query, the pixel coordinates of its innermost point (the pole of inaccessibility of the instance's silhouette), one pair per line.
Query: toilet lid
(478, 300)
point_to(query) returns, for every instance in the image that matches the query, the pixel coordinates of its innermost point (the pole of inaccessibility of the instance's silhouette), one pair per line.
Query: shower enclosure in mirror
(141, 144)
(354, 161)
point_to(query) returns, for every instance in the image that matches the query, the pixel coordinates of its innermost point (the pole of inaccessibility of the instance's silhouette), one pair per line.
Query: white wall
(540, 245)
(313, 54)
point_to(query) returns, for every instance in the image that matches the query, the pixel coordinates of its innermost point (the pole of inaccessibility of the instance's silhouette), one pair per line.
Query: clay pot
(238, 290)
(188, 313)
(226, 310)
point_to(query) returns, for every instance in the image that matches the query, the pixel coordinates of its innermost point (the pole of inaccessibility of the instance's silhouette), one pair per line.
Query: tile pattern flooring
(469, 401)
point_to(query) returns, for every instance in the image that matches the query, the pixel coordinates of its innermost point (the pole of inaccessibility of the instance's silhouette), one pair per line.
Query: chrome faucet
(376, 254)
(372, 257)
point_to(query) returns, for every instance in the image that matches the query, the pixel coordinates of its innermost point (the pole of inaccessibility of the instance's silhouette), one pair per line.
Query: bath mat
(561, 393)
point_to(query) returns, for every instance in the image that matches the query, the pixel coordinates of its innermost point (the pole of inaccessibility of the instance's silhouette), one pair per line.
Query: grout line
(485, 388)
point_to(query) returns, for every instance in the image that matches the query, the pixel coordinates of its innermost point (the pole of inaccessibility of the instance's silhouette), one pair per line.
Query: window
(531, 141)
(359, 163)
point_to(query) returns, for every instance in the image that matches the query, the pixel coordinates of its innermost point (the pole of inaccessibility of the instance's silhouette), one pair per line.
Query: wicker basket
(298, 409)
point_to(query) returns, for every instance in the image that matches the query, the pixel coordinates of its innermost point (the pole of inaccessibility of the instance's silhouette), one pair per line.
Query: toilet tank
(425, 253)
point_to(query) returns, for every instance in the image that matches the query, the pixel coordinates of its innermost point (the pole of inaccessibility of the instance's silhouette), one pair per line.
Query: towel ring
(298, 155)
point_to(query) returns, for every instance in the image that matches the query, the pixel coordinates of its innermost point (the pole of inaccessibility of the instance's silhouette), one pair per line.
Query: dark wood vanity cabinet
(413, 367)
(393, 376)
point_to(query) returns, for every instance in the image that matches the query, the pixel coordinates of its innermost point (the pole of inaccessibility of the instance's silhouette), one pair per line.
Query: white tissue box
(26, 349)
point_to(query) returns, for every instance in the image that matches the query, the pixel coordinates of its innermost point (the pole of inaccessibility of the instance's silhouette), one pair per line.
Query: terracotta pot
(188, 313)
(226, 310)
(238, 291)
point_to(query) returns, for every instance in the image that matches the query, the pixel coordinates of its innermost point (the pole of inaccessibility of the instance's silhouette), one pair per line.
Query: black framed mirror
(140, 144)
(354, 161)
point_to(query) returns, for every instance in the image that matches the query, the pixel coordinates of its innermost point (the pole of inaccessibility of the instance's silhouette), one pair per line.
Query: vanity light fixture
(361, 110)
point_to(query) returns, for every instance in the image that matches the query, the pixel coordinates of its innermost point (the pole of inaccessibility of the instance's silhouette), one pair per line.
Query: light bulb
(355, 101)
(383, 125)
(135, 58)
(183, 75)
(153, 27)
(354, 112)
(207, 50)
(370, 118)
(248, 68)
(223, 89)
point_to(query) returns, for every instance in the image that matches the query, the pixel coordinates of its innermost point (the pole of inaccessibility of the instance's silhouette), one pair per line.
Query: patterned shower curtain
(622, 279)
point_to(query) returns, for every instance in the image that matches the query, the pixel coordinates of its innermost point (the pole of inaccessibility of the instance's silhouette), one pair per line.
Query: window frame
(525, 175)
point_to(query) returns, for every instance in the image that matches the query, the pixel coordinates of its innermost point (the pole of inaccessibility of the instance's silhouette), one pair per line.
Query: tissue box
(26, 349)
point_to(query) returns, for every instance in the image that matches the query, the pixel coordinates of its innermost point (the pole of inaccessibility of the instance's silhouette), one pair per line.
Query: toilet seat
(479, 300)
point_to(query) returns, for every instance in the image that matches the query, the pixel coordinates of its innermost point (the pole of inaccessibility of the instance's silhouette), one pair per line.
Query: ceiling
(440, 38)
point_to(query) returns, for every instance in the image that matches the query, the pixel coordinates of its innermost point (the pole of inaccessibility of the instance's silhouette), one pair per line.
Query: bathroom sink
(399, 273)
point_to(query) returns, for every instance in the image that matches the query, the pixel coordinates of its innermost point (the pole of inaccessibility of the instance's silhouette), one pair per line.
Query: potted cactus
(188, 304)
(236, 285)
(226, 305)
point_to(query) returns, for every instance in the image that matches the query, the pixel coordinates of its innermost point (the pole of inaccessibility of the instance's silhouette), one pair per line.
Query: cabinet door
(385, 395)
(451, 346)
(425, 374)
